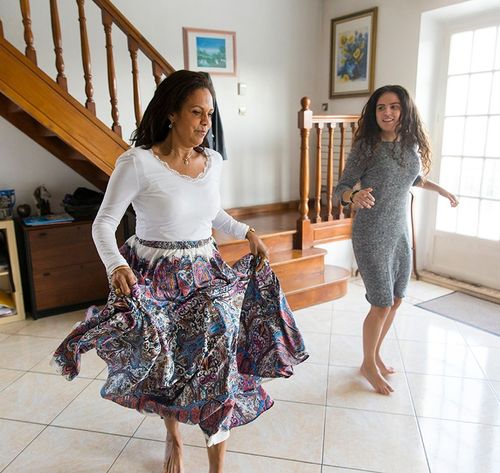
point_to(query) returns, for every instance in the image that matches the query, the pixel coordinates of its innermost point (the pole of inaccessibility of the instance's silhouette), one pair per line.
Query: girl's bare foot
(173, 456)
(372, 374)
(384, 370)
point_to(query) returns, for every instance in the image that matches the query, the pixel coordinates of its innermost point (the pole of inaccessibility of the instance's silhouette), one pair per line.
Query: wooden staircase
(303, 275)
(42, 108)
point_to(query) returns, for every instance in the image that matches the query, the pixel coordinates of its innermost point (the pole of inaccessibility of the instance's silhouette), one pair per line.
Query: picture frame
(352, 54)
(211, 51)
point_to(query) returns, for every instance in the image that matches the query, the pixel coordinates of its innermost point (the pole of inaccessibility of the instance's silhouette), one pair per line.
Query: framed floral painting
(352, 54)
(211, 51)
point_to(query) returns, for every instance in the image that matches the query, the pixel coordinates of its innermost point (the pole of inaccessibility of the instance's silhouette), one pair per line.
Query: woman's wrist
(250, 231)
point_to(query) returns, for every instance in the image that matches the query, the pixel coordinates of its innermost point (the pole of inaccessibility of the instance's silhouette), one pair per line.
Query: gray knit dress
(380, 235)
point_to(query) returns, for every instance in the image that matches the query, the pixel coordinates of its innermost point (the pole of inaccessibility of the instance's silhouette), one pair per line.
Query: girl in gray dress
(390, 153)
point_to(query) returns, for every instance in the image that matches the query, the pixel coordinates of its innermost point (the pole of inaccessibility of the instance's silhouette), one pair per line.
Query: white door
(466, 242)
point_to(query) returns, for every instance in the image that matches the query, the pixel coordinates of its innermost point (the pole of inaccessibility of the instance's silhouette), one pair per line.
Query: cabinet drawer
(57, 247)
(70, 285)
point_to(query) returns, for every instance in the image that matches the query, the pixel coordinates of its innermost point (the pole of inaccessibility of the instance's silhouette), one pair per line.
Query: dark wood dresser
(64, 271)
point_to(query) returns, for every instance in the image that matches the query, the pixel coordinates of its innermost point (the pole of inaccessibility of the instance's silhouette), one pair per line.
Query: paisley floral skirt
(193, 339)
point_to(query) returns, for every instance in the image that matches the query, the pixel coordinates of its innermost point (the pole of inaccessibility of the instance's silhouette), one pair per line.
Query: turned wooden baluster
(56, 36)
(317, 203)
(28, 33)
(304, 230)
(329, 177)
(133, 48)
(107, 22)
(341, 159)
(157, 73)
(87, 70)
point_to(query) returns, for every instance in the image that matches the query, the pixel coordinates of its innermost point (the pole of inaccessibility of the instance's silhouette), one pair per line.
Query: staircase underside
(40, 108)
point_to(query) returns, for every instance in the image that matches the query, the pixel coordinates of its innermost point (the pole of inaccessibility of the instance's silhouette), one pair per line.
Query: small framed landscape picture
(210, 51)
(352, 54)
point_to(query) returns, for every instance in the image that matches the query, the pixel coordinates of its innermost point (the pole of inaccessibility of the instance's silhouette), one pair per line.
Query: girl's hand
(453, 200)
(364, 198)
(122, 280)
(257, 248)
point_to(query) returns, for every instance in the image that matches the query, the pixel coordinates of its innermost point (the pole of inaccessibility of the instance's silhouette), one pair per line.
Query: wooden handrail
(307, 121)
(147, 49)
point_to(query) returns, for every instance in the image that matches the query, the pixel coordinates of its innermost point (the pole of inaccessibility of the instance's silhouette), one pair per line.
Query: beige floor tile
(37, 397)
(55, 326)
(14, 437)
(347, 350)
(496, 388)
(146, 456)
(461, 399)
(489, 360)
(22, 352)
(103, 374)
(459, 447)
(153, 428)
(406, 309)
(58, 450)
(428, 328)
(288, 430)
(440, 359)
(89, 411)
(425, 291)
(14, 327)
(475, 337)
(318, 347)
(8, 377)
(244, 463)
(351, 323)
(347, 388)
(374, 441)
(90, 365)
(319, 321)
(334, 469)
(323, 306)
(355, 302)
(308, 384)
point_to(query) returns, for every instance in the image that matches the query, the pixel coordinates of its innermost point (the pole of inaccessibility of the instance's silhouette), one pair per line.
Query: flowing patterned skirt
(193, 339)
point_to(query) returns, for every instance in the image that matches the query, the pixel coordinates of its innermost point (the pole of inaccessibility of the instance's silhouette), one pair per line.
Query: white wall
(410, 40)
(277, 44)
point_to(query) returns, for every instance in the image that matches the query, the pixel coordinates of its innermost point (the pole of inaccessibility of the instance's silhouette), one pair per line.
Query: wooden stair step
(316, 288)
(232, 250)
(292, 264)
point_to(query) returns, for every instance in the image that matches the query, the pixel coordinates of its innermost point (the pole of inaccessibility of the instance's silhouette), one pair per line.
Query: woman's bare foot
(374, 377)
(173, 456)
(384, 370)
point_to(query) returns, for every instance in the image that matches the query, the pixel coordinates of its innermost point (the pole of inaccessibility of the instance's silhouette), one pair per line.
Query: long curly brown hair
(169, 97)
(410, 130)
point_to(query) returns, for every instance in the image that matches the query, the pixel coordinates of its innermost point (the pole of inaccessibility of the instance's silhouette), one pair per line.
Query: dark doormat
(467, 309)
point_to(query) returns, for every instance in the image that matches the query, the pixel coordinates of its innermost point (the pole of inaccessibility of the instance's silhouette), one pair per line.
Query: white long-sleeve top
(168, 206)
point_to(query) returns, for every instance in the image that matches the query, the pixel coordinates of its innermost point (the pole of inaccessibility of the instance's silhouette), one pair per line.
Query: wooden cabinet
(10, 278)
(64, 269)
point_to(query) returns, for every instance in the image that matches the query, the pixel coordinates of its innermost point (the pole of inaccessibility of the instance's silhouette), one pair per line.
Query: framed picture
(210, 51)
(352, 54)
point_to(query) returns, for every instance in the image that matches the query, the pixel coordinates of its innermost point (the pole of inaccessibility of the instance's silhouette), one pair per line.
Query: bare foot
(374, 377)
(384, 370)
(173, 456)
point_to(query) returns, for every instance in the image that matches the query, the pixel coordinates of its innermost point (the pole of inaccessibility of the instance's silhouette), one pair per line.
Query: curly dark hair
(169, 97)
(410, 130)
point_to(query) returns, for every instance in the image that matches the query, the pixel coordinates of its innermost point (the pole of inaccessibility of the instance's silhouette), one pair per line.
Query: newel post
(304, 229)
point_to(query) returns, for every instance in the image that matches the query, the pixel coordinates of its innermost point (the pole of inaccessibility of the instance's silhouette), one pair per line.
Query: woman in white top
(185, 336)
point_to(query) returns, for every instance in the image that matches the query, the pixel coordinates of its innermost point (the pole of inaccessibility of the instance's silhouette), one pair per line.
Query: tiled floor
(444, 415)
